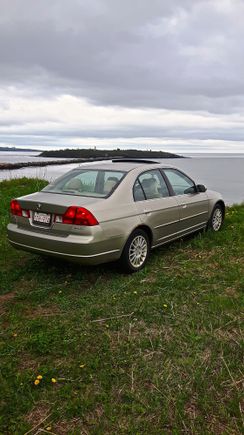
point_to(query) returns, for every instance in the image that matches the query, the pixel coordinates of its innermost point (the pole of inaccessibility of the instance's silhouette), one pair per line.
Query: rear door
(193, 205)
(156, 207)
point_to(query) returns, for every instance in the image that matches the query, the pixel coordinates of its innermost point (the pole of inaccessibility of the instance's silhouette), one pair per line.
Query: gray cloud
(130, 132)
(176, 55)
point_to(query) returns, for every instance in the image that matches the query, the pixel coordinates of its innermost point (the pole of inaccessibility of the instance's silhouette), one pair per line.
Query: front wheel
(217, 218)
(135, 252)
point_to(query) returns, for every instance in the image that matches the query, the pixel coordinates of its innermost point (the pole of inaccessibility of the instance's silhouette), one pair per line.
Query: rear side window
(90, 182)
(150, 185)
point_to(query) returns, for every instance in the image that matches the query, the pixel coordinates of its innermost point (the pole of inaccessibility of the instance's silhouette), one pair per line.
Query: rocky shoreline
(20, 165)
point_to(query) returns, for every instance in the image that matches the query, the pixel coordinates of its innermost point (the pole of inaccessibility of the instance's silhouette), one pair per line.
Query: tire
(217, 218)
(135, 252)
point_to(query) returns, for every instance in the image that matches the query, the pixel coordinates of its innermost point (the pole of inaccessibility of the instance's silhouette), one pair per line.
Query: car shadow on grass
(58, 266)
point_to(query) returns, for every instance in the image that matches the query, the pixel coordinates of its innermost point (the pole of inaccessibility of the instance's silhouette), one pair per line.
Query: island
(94, 153)
(67, 156)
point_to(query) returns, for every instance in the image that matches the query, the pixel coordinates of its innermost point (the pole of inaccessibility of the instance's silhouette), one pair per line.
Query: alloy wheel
(138, 251)
(217, 219)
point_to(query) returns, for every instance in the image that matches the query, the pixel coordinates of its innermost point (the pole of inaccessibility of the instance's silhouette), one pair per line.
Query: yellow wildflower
(165, 305)
(37, 382)
(39, 377)
(82, 366)
(54, 380)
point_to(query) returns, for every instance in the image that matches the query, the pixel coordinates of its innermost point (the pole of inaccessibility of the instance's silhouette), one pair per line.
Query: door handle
(147, 211)
(184, 205)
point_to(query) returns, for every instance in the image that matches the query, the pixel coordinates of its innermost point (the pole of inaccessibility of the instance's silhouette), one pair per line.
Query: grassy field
(157, 352)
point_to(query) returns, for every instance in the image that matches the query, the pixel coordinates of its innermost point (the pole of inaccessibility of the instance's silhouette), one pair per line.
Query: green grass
(171, 365)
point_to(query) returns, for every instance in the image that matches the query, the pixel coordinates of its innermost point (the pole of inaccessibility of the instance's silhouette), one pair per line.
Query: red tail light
(15, 209)
(77, 216)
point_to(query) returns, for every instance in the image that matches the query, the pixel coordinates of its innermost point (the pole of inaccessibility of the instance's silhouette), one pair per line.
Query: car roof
(122, 165)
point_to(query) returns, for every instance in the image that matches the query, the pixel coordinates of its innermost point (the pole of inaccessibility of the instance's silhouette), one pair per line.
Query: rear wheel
(217, 218)
(135, 252)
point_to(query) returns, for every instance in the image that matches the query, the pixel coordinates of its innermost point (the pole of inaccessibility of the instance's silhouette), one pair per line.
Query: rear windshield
(87, 182)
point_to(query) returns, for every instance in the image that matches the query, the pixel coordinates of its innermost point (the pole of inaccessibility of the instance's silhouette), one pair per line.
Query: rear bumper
(76, 248)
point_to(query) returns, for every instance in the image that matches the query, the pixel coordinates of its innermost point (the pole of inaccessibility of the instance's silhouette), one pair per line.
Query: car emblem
(38, 206)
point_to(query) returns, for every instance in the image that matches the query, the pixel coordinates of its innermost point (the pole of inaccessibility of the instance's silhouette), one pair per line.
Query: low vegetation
(92, 351)
(96, 153)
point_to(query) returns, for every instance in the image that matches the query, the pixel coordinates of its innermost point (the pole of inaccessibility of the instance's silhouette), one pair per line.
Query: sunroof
(134, 161)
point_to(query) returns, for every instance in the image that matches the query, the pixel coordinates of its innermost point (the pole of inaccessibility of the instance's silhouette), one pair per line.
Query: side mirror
(201, 188)
(191, 189)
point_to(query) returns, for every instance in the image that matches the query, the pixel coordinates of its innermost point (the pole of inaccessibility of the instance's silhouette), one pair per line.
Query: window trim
(170, 188)
(137, 180)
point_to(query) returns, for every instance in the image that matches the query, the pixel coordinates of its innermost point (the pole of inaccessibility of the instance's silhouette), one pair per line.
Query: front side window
(87, 182)
(150, 185)
(180, 183)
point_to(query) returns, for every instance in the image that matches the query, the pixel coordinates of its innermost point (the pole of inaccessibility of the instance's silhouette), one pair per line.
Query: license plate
(42, 218)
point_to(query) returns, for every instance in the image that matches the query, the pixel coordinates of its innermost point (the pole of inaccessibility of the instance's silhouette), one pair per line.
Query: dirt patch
(149, 279)
(219, 428)
(28, 363)
(230, 291)
(7, 297)
(64, 427)
(38, 415)
(205, 356)
(230, 335)
(5, 324)
(93, 417)
(191, 409)
(4, 299)
(41, 311)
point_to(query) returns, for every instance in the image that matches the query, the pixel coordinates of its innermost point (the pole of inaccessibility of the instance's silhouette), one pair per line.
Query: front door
(193, 205)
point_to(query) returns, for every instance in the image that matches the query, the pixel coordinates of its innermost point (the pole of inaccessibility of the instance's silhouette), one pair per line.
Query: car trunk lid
(44, 207)
(47, 202)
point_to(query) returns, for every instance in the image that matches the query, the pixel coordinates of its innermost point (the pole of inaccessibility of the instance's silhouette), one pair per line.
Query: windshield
(87, 182)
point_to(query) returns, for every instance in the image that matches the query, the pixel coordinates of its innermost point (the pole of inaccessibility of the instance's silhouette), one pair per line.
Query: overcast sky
(159, 74)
